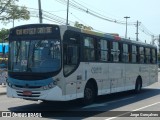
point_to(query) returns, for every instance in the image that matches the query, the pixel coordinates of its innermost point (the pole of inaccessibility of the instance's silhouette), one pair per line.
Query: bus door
(71, 59)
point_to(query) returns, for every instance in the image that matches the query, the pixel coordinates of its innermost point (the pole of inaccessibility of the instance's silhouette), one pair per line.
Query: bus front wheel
(89, 93)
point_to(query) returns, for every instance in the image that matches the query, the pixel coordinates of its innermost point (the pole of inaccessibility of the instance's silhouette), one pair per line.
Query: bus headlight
(45, 87)
(55, 82)
(51, 85)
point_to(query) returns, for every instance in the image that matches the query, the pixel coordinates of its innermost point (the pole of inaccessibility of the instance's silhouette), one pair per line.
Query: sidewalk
(3, 89)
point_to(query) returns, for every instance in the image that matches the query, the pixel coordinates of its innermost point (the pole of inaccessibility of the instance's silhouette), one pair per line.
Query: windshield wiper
(18, 49)
(28, 58)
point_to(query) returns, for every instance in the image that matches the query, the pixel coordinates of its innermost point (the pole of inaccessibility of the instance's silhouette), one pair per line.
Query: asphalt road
(109, 107)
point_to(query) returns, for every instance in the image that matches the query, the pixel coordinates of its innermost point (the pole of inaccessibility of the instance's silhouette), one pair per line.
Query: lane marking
(121, 99)
(133, 111)
(94, 105)
(104, 104)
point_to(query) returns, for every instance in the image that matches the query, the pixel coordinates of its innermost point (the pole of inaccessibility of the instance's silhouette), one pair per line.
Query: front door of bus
(71, 53)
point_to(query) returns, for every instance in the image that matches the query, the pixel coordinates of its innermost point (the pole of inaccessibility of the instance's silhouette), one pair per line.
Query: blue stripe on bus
(30, 82)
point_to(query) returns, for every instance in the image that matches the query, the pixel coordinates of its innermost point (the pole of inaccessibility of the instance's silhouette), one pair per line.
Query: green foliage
(9, 11)
(81, 26)
(3, 34)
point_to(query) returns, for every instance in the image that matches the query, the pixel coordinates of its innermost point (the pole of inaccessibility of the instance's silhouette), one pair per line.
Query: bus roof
(110, 36)
(107, 35)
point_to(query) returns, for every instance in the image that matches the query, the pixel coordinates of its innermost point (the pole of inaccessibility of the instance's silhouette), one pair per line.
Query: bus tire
(138, 86)
(89, 93)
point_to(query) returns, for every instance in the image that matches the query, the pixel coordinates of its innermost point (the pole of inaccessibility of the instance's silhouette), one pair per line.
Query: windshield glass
(35, 55)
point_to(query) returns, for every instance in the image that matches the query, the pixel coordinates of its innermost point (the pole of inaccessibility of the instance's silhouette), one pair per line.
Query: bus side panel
(99, 73)
(85, 72)
(75, 82)
(131, 71)
(70, 86)
(144, 72)
(105, 79)
(153, 74)
(116, 77)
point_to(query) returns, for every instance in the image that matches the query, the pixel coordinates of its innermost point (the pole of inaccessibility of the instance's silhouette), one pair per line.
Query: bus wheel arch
(90, 91)
(138, 84)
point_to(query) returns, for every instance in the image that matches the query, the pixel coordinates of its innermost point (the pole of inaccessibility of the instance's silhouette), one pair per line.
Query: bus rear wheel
(138, 86)
(89, 94)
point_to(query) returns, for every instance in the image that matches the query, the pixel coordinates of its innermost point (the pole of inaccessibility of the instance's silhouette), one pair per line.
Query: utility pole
(153, 39)
(13, 22)
(40, 11)
(137, 30)
(159, 43)
(67, 12)
(126, 26)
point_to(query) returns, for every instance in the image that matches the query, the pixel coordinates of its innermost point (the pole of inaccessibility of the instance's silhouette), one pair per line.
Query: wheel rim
(88, 93)
(139, 86)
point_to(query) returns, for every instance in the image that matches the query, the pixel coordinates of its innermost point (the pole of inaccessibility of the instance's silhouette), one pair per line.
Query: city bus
(61, 63)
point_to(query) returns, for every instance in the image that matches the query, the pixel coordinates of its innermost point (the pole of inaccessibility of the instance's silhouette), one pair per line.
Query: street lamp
(126, 26)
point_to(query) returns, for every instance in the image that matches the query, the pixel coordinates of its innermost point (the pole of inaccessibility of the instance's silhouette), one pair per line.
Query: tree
(3, 34)
(9, 11)
(81, 26)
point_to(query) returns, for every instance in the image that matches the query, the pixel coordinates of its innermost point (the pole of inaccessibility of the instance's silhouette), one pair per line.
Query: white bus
(60, 63)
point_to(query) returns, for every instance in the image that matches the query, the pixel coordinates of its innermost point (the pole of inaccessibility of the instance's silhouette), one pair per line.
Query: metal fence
(3, 76)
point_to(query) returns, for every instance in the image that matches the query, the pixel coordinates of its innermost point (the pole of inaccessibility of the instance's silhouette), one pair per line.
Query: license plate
(27, 93)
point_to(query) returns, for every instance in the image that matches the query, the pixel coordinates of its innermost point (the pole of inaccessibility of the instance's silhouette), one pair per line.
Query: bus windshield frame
(35, 49)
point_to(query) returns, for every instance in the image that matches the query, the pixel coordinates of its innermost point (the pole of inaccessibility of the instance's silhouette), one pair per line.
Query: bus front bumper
(54, 94)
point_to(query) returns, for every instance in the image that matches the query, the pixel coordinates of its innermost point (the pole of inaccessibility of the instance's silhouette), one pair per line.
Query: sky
(145, 11)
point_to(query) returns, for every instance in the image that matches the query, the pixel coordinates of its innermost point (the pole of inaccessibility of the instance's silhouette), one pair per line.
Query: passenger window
(141, 52)
(125, 57)
(115, 52)
(153, 59)
(134, 54)
(147, 55)
(102, 50)
(89, 49)
(71, 57)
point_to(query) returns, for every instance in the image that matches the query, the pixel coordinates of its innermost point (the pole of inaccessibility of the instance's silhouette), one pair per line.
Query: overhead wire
(82, 8)
(74, 4)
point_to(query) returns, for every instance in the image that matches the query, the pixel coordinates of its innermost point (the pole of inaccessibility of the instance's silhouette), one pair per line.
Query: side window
(102, 50)
(134, 54)
(71, 58)
(71, 51)
(147, 55)
(125, 53)
(115, 52)
(153, 59)
(89, 49)
(141, 53)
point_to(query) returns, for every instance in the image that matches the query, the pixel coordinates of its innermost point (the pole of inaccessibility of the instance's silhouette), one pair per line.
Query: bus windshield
(35, 55)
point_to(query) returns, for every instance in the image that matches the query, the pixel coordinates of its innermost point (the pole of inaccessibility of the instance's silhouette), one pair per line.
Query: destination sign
(33, 31)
